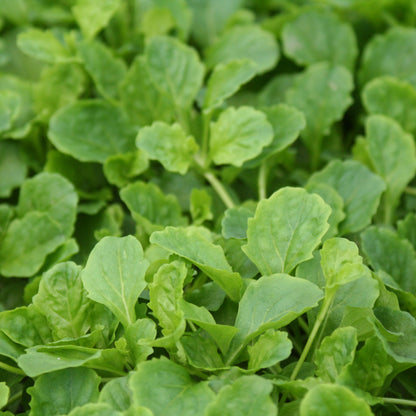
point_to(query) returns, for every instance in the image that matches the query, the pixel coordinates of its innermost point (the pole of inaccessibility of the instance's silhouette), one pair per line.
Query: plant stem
(403, 402)
(262, 180)
(411, 191)
(219, 189)
(12, 369)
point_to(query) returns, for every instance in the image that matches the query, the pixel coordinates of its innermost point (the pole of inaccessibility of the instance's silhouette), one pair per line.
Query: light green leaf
(27, 242)
(52, 194)
(63, 300)
(226, 79)
(406, 228)
(239, 135)
(175, 68)
(71, 131)
(193, 246)
(235, 221)
(341, 263)
(151, 207)
(335, 353)
(43, 45)
(393, 155)
(106, 70)
(141, 98)
(13, 167)
(392, 97)
(333, 84)
(328, 33)
(386, 251)
(248, 395)
(114, 275)
(269, 349)
(138, 336)
(273, 302)
(94, 409)
(330, 400)
(94, 15)
(200, 206)
(170, 145)
(116, 393)
(391, 53)
(4, 394)
(244, 42)
(166, 291)
(359, 188)
(59, 392)
(285, 230)
(120, 168)
(167, 389)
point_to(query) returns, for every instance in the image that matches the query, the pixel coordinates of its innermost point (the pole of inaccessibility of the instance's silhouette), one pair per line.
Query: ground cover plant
(207, 207)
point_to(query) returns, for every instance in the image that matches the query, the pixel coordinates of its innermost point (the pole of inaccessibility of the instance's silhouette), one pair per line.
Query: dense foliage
(207, 207)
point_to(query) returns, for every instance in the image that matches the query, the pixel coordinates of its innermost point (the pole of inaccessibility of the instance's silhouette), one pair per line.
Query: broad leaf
(13, 167)
(170, 145)
(116, 393)
(94, 409)
(285, 230)
(239, 135)
(114, 275)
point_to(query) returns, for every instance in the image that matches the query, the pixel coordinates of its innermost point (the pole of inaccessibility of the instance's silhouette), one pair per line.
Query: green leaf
(63, 300)
(285, 230)
(393, 155)
(175, 68)
(151, 207)
(239, 135)
(269, 349)
(391, 53)
(328, 33)
(335, 353)
(13, 168)
(94, 15)
(94, 409)
(4, 394)
(193, 246)
(166, 291)
(138, 336)
(106, 70)
(141, 98)
(200, 206)
(235, 221)
(59, 392)
(226, 79)
(167, 389)
(341, 263)
(114, 275)
(406, 228)
(248, 395)
(359, 188)
(392, 97)
(331, 399)
(51, 194)
(170, 145)
(244, 42)
(43, 45)
(386, 251)
(27, 242)
(333, 84)
(70, 131)
(273, 302)
(116, 393)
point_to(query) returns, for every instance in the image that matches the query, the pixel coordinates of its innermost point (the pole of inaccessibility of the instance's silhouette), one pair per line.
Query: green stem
(12, 369)
(15, 397)
(219, 189)
(262, 180)
(410, 190)
(403, 402)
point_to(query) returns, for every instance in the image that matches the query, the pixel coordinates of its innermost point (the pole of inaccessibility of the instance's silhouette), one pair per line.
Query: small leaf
(329, 32)
(94, 15)
(239, 135)
(116, 393)
(4, 394)
(285, 230)
(114, 275)
(359, 188)
(269, 349)
(193, 246)
(13, 168)
(200, 206)
(170, 145)
(235, 222)
(244, 42)
(175, 68)
(70, 131)
(331, 399)
(94, 409)
(167, 389)
(226, 79)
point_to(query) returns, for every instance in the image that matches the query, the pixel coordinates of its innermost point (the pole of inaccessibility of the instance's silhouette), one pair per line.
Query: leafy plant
(207, 207)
